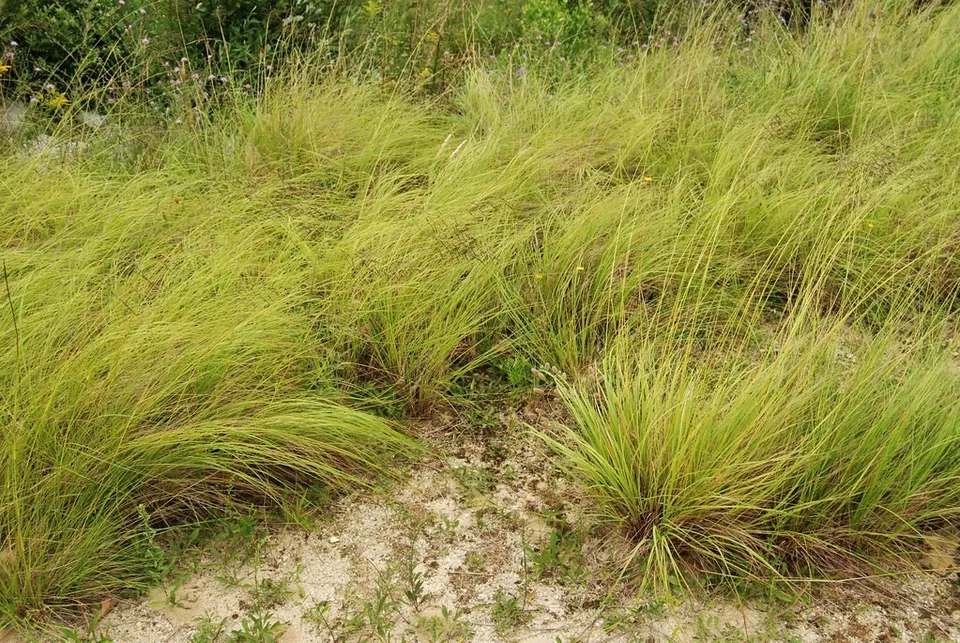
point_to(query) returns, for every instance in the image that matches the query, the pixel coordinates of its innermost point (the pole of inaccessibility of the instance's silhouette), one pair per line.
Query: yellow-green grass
(780, 466)
(207, 314)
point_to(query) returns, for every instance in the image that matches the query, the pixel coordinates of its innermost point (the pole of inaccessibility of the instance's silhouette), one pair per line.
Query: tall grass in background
(743, 255)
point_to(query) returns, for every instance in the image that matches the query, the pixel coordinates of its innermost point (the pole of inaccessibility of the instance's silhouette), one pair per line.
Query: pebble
(333, 540)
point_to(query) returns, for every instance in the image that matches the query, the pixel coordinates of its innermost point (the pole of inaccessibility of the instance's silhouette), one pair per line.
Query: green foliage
(358, 618)
(473, 482)
(741, 468)
(518, 372)
(559, 557)
(246, 31)
(257, 627)
(207, 631)
(414, 593)
(71, 41)
(73, 635)
(738, 262)
(448, 625)
(101, 49)
(156, 562)
(579, 23)
(79, 43)
(628, 619)
(509, 610)
(270, 593)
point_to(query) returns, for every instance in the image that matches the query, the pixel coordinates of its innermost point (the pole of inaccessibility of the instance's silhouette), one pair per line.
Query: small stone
(333, 540)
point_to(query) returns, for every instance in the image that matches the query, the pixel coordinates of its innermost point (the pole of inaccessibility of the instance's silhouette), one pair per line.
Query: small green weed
(259, 624)
(496, 450)
(446, 527)
(484, 420)
(413, 590)
(509, 610)
(157, 563)
(518, 372)
(560, 557)
(379, 611)
(449, 625)
(473, 481)
(258, 627)
(207, 630)
(318, 614)
(475, 562)
(73, 635)
(627, 619)
(366, 619)
(269, 593)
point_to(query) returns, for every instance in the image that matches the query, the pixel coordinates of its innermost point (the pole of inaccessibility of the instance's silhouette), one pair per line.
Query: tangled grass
(746, 261)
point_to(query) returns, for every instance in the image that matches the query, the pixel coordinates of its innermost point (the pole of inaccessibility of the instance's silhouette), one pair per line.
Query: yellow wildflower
(4, 68)
(539, 276)
(580, 268)
(648, 179)
(58, 101)
(870, 224)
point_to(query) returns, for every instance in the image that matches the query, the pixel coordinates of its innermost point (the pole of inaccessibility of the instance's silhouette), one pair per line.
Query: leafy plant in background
(79, 44)
(575, 23)
(246, 33)
(73, 41)
(74, 45)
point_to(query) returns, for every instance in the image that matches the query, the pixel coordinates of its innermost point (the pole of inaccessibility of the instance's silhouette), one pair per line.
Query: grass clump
(155, 375)
(787, 466)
